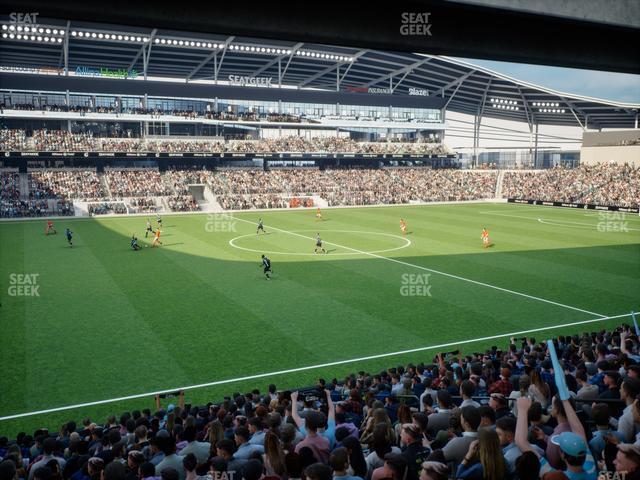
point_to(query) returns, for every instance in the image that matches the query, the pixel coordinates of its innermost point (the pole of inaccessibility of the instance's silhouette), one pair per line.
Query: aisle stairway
(499, 184)
(105, 185)
(24, 186)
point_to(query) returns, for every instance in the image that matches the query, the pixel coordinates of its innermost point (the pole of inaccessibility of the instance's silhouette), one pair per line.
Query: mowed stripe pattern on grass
(112, 322)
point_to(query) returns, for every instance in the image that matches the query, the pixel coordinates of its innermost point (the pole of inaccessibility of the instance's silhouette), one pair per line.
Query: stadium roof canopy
(466, 88)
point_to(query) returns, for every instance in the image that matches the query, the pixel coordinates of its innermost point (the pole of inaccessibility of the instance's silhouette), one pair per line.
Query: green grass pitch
(110, 322)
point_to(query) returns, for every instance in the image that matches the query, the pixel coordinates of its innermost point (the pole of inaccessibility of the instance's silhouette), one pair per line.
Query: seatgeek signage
(105, 72)
(245, 81)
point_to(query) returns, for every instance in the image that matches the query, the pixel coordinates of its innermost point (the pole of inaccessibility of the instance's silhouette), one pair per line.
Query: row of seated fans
(191, 113)
(60, 140)
(11, 205)
(497, 414)
(604, 184)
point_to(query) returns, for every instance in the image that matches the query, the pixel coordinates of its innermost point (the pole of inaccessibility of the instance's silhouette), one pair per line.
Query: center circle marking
(406, 244)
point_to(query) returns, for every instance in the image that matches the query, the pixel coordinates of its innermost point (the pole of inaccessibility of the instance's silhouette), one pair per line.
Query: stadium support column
(65, 51)
(636, 122)
(530, 142)
(443, 119)
(535, 149)
(144, 126)
(474, 160)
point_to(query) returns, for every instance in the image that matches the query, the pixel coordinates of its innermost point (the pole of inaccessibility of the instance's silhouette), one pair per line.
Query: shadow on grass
(202, 313)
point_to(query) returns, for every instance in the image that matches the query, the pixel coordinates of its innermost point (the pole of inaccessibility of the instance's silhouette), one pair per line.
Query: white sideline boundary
(450, 275)
(309, 367)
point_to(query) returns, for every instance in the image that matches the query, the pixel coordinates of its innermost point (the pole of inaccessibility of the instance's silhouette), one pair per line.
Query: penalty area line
(309, 367)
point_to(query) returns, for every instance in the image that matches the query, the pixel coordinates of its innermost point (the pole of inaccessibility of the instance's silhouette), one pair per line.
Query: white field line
(604, 213)
(309, 367)
(567, 223)
(406, 244)
(464, 279)
(556, 222)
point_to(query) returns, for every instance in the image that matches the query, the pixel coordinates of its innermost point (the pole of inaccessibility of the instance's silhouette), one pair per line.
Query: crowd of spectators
(181, 179)
(119, 145)
(14, 208)
(105, 208)
(160, 112)
(296, 144)
(360, 186)
(245, 202)
(64, 207)
(497, 414)
(601, 184)
(297, 202)
(245, 181)
(60, 140)
(9, 185)
(12, 140)
(69, 184)
(143, 204)
(185, 146)
(182, 203)
(135, 183)
(248, 188)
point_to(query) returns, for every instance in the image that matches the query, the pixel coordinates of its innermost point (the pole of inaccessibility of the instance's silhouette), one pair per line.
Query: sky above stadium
(619, 87)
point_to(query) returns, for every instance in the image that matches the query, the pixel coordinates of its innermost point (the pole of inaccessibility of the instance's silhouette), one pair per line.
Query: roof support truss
(273, 61)
(407, 69)
(143, 52)
(213, 55)
(330, 68)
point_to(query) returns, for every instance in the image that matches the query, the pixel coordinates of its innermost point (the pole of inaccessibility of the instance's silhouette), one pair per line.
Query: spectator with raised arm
(576, 460)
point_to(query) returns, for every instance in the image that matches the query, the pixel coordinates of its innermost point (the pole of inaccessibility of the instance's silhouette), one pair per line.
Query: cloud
(619, 87)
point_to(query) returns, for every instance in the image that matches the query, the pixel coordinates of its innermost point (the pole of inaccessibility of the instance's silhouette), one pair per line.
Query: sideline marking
(558, 223)
(590, 226)
(309, 367)
(395, 260)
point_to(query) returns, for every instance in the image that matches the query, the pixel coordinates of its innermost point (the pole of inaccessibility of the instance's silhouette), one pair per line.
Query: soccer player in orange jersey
(49, 228)
(318, 214)
(485, 237)
(403, 226)
(156, 240)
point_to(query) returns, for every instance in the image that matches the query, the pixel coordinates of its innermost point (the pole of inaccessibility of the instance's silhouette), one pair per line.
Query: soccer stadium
(319, 248)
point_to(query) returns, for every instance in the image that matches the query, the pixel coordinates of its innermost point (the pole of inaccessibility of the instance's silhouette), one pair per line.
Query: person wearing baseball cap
(627, 461)
(578, 460)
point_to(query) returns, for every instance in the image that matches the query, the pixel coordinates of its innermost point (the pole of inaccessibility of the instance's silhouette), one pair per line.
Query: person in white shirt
(467, 389)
